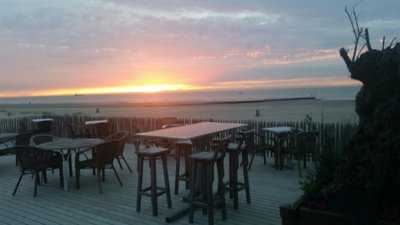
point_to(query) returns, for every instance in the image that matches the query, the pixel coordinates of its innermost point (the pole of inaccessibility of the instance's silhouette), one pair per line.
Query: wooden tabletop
(191, 131)
(71, 143)
(281, 130)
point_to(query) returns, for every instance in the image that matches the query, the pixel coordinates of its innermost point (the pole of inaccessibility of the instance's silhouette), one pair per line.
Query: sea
(324, 93)
(325, 104)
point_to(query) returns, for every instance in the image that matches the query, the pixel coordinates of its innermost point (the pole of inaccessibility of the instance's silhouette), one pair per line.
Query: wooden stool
(152, 154)
(202, 195)
(182, 148)
(234, 186)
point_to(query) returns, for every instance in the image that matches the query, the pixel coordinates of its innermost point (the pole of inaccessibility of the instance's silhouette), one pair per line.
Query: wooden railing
(331, 135)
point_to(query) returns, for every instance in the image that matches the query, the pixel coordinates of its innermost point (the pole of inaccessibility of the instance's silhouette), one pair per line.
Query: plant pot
(306, 216)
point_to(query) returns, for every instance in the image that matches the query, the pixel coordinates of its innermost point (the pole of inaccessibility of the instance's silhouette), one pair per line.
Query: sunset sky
(54, 47)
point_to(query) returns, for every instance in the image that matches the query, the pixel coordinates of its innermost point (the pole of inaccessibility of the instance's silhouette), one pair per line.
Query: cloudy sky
(63, 47)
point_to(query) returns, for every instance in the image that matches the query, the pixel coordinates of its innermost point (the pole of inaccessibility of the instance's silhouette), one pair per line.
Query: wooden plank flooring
(116, 206)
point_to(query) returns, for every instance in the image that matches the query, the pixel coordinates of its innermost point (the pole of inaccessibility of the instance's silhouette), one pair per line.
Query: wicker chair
(102, 158)
(22, 139)
(260, 148)
(32, 160)
(54, 161)
(121, 138)
(306, 149)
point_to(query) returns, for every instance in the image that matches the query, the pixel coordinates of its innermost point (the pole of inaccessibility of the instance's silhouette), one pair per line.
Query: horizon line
(242, 85)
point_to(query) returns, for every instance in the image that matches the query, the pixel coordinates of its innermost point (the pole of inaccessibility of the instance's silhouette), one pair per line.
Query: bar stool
(183, 148)
(234, 150)
(202, 195)
(152, 154)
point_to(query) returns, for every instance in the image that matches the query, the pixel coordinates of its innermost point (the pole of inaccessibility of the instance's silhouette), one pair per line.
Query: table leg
(65, 165)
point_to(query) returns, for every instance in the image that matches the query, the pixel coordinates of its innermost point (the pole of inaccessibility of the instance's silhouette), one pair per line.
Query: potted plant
(315, 207)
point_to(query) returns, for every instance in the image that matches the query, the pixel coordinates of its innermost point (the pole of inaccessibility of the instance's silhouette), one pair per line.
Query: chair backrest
(169, 122)
(246, 138)
(29, 157)
(219, 141)
(77, 131)
(42, 138)
(100, 130)
(171, 125)
(306, 142)
(104, 154)
(44, 126)
(23, 139)
(117, 135)
(120, 137)
(220, 145)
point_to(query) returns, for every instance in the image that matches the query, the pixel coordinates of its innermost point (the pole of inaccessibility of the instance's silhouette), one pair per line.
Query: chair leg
(78, 174)
(253, 155)
(36, 183)
(126, 163)
(177, 168)
(265, 156)
(166, 180)
(116, 174)
(44, 174)
(19, 181)
(137, 163)
(103, 174)
(153, 187)
(299, 167)
(61, 174)
(139, 184)
(70, 165)
(119, 162)
(99, 178)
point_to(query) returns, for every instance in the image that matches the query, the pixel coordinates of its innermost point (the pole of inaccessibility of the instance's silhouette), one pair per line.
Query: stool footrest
(183, 177)
(237, 187)
(203, 204)
(147, 191)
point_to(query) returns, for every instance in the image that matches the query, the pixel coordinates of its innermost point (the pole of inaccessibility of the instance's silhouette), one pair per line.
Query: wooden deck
(116, 206)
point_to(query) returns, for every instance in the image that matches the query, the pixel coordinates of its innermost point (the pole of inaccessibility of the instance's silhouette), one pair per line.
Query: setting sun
(152, 88)
(145, 88)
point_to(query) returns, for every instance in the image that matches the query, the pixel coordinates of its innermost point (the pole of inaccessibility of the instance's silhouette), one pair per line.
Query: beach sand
(325, 110)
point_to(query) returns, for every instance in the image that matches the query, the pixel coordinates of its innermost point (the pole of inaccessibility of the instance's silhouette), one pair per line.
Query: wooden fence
(331, 135)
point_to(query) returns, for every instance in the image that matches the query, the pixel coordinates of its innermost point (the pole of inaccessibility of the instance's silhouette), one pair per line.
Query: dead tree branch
(367, 41)
(357, 30)
(392, 42)
(361, 50)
